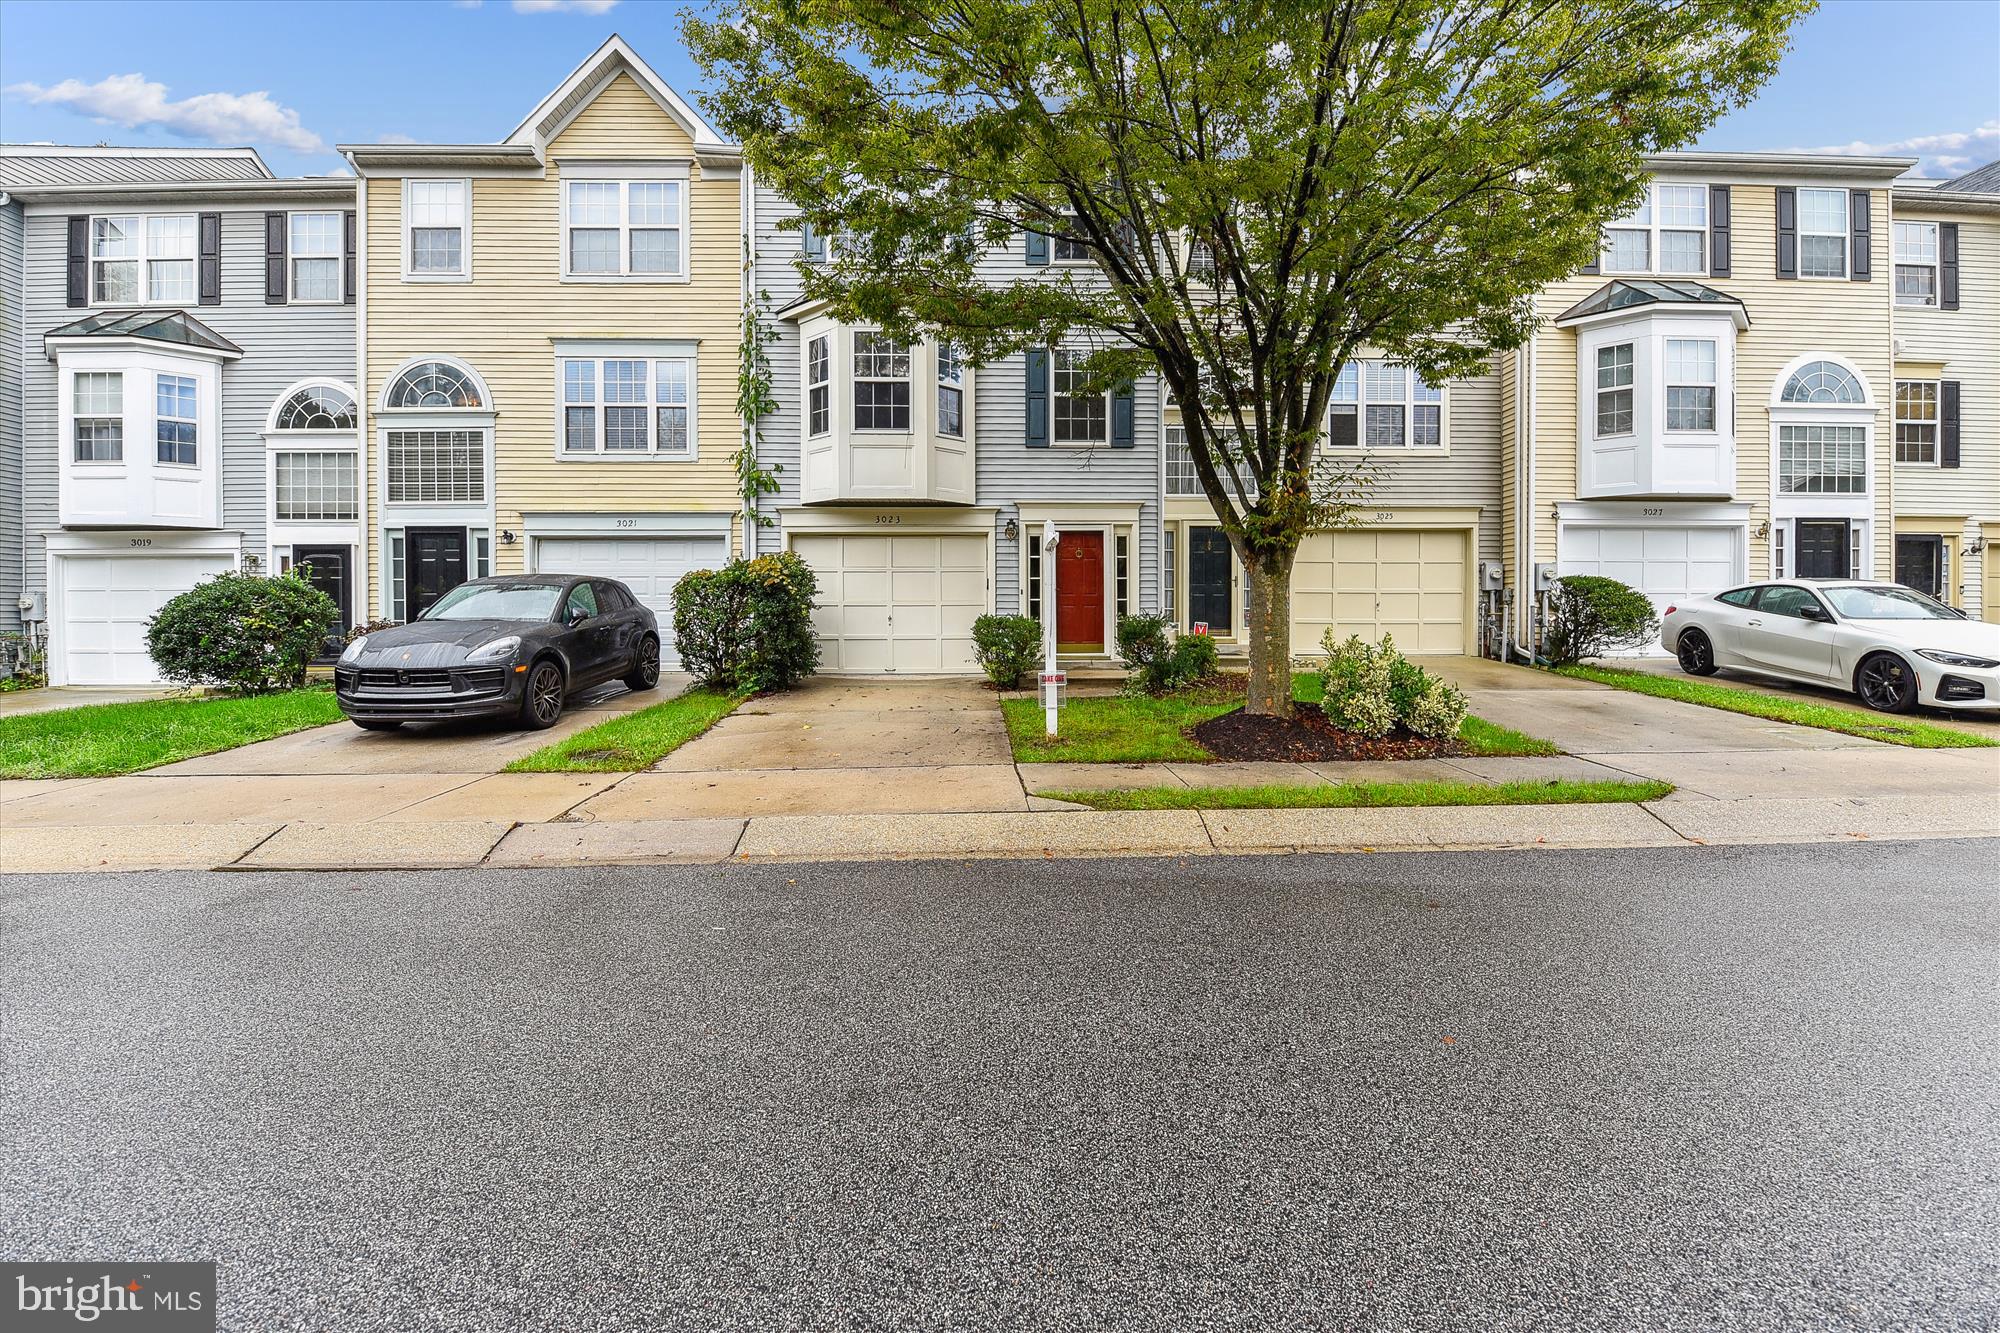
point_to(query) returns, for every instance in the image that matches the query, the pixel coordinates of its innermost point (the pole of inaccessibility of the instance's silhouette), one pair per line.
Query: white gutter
(370, 530)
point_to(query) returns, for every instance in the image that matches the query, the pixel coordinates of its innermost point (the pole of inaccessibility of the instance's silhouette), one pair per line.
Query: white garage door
(1409, 584)
(106, 602)
(1668, 564)
(649, 566)
(896, 604)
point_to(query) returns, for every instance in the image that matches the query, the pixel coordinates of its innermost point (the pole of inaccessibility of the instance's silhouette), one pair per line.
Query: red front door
(1080, 592)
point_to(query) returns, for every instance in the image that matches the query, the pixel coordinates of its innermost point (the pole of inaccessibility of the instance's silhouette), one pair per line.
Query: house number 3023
(888, 520)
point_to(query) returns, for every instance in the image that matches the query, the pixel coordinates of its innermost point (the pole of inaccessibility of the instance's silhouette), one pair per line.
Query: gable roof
(1980, 180)
(595, 74)
(99, 164)
(166, 326)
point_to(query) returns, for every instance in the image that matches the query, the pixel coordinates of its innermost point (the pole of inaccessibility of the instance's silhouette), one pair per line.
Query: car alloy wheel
(648, 670)
(1696, 654)
(545, 695)
(1886, 684)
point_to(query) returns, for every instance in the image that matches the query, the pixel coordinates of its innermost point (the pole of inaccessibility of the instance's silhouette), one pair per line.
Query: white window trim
(1934, 264)
(200, 438)
(1668, 384)
(826, 342)
(1085, 260)
(69, 419)
(958, 384)
(315, 532)
(465, 241)
(284, 396)
(624, 175)
(1653, 227)
(1109, 407)
(144, 260)
(649, 353)
(910, 350)
(292, 257)
(1845, 234)
(1362, 402)
(1935, 421)
(1858, 507)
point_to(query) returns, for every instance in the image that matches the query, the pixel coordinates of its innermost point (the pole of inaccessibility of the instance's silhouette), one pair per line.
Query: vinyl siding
(778, 284)
(282, 344)
(1967, 341)
(1788, 319)
(503, 321)
(11, 371)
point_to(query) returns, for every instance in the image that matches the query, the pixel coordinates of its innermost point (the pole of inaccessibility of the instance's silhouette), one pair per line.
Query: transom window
(1614, 390)
(174, 419)
(1385, 406)
(434, 384)
(437, 228)
(1916, 263)
(1691, 384)
(1822, 460)
(1079, 416)
(1916, 421)
(1666, 233)
(1822, 382)
(317, 407)
(951, 391)
(436, 466)
(625, 228)
(1822, 233)
(135, 258)
(627, 406)
(881, 382)
(98, 416)
(316, 255)
(318, 486)
(819, 389)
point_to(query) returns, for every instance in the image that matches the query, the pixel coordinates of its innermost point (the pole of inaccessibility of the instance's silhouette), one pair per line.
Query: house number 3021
(628, 522)
(1652, 513)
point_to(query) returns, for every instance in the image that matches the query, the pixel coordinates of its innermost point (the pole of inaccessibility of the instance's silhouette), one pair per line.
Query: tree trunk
(1270, 638)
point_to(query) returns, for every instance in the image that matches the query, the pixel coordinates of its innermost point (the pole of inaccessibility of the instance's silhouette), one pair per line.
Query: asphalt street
(1748, 1088)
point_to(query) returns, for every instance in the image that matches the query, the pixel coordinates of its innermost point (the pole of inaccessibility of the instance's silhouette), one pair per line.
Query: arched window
(434, 384)
(1820, 382)
(316, 407)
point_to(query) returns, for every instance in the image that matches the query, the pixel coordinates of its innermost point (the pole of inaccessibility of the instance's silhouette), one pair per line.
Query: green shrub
(1007, 647)
(1589, 616)
(1194, 658)
(748, 625)
(243, 631)
(1160, 662)
(1370, 689)
(1437, 711)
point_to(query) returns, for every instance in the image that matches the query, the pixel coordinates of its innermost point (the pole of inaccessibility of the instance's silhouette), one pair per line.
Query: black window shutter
(1948, 423)
(1121, 417)
(1718, 231)
(274, 259)
(347, 260)
(210, 234)
(1038, 250)
(1947, 266)
(1038, 398)
(1596, 259)
(79, 261)
(1788, 232)
(1859, 236)
(1344, 429)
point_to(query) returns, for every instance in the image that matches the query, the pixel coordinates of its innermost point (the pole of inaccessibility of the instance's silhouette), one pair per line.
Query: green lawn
(101, 740)
(1890, 727)
(1344, 796)
(636, 740)
(1124, 730)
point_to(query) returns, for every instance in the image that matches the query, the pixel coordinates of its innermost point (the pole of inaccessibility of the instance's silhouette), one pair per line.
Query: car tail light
(1670, 610)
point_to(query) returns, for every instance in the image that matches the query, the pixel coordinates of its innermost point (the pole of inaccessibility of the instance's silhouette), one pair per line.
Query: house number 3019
(142, 541)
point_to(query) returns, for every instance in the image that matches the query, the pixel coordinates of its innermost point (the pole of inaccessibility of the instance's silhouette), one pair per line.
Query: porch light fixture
(1012, 529)
(1763, 532)
(507, 537)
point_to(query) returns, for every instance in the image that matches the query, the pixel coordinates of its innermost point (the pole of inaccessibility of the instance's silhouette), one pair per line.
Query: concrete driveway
(835, 745)
(50, 698)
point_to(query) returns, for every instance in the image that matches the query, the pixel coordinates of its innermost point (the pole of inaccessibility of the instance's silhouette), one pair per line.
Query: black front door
(1822, 549)
(325, 567)
(1211, 581)
(437, 565)
(1919, 564)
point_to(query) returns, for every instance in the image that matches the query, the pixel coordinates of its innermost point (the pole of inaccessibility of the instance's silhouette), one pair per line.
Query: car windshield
(496, 601)
(1887, 602)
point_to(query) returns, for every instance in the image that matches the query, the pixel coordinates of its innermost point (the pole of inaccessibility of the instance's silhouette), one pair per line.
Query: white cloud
(395, 138)
(564, 6)
(133, 101)
(1937, 154)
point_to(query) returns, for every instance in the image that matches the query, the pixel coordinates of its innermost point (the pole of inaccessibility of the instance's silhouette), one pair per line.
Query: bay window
(881, 382)
(1822, 233)
(435, 244)
(1079, 416)
(951, 391)
(625, 405)
(1917, 263)
(137, 259)
(1917, 421)
(174, 419)
(98, 416)
(1614, 390)
(819, 389)
(624, 228)
(1690, 384)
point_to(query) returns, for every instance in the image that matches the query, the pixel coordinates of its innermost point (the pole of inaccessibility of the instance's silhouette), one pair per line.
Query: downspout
(369, 529)
(747, 219)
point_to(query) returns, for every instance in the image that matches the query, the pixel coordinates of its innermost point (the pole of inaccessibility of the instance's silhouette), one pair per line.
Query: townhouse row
(524, 355)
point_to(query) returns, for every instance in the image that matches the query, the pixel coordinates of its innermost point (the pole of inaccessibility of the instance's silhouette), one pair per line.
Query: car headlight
(353, 650)
(1956, 659)
(500, 650)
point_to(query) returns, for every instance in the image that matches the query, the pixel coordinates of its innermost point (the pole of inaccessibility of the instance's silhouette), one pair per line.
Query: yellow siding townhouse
(1711, 401)
(1947, 446)
(548, 344)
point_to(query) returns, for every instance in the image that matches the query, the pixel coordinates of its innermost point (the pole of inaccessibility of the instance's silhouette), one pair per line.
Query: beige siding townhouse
(1946, 470)
(1711, 402)
(549, 344)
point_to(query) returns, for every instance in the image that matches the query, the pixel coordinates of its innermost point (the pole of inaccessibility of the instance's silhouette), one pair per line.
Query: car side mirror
(575, 616)
(1815, 613)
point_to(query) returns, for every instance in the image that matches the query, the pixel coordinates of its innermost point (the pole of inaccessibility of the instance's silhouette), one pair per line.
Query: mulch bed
(1307, 737)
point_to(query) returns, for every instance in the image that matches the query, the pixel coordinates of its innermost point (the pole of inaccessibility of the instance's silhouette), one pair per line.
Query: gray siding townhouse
(187, 348)
(917, 486)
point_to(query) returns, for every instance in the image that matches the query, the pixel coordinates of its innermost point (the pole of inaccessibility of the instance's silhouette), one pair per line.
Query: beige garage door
(894, 605)
(1410, 584)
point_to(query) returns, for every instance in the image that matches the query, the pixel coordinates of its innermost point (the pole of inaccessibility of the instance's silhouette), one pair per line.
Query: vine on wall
(754, 401)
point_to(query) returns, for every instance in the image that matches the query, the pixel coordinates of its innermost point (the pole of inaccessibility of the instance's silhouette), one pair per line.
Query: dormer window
(1666, 233)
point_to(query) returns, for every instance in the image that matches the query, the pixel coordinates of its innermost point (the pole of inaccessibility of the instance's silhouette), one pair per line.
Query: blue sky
(1920, 77)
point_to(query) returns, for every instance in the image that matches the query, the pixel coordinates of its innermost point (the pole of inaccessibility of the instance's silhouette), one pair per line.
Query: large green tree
(1265, 188)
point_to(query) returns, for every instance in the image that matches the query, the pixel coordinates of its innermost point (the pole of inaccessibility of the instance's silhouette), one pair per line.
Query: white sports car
(1892, 646)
